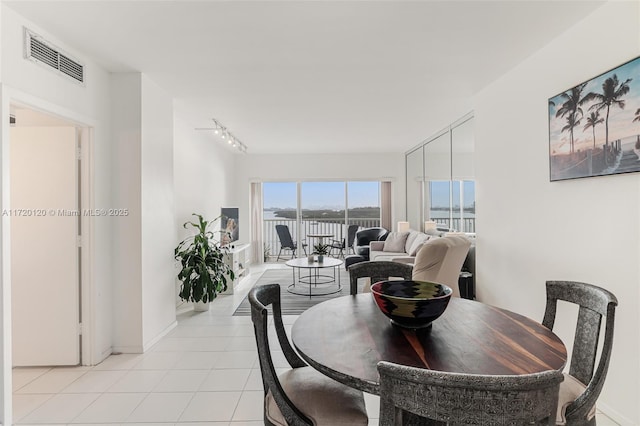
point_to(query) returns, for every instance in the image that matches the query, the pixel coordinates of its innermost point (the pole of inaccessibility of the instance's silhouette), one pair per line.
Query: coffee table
(320, 284)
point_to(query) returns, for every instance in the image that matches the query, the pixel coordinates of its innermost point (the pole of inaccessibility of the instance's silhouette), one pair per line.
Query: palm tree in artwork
(571, 108)
(592, 121)
(572, 122)
(637, 116)
(612, 92)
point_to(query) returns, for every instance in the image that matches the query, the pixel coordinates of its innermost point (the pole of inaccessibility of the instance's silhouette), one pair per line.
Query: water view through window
(452, 203)
(323, 208)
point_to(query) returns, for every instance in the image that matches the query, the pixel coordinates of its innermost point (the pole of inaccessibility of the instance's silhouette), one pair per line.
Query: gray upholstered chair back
(377, 271)
(260, 298)
(466, 399)
(595, 304)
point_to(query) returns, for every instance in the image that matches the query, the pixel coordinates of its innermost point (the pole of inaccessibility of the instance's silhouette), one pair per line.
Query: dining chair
(440, 260)
(376, 271)
(286, 241)
(346, 243)
(410, 395)
(300, 395)
(581, 388)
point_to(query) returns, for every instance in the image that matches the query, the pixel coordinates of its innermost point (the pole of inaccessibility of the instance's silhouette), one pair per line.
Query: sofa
(401, 246)
(445, 256)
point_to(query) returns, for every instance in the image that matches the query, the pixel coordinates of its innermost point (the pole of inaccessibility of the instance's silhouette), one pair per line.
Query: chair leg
(278, 258)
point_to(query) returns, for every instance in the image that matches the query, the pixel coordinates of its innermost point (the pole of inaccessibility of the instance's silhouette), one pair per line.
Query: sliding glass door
(363, 199)
(323, 211)
(317, 208)
(280, 201)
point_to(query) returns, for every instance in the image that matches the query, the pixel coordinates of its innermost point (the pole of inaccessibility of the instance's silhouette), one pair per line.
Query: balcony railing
(335, 227)
(457, 224)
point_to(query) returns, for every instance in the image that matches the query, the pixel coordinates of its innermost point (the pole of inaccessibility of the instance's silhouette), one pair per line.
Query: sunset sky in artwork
(621, 123)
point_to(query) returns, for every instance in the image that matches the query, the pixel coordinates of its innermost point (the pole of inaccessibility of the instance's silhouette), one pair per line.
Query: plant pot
(200, 306)
(320, 258)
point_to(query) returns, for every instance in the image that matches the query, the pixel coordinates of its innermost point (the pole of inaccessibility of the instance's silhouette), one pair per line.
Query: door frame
(85, 125)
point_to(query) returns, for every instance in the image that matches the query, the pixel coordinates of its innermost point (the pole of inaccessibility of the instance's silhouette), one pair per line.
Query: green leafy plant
(203, 272)
(321, 249)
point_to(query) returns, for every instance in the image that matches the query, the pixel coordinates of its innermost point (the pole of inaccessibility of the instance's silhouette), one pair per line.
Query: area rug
(294, 304)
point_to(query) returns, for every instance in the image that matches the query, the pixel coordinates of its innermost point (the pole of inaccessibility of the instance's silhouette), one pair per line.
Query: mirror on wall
(463, 211)
(415, 178)
(440, 184)
(437, 178)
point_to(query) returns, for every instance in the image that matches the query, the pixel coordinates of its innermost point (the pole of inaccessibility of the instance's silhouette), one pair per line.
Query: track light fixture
(225, 134)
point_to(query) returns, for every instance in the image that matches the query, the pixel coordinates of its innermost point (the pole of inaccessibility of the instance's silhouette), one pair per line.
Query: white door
(44, 251)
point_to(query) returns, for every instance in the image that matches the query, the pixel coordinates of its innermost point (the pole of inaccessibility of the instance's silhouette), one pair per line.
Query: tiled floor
(203, 372)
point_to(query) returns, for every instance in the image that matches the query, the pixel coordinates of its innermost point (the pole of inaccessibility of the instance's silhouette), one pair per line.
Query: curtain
(385, 205)
(255, 209)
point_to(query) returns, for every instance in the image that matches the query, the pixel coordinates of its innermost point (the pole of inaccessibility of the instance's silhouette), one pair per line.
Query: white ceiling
(313, 76)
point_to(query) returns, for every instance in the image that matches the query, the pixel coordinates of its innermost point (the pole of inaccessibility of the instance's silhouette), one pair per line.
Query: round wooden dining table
(346, 337)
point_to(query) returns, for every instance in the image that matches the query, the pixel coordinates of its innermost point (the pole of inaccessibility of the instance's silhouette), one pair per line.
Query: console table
(238, 258)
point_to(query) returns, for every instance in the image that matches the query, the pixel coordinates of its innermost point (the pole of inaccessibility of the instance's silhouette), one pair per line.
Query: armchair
(364, 238)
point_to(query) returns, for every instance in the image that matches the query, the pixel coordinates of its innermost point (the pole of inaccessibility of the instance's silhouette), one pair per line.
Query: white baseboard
(160, 335)
(137, 349)
(614, 415)
(133, 349)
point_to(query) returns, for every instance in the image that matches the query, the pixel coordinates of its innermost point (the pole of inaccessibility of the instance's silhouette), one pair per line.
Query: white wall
(363, 166)
(143, 184)
(27, 82)
(531, 230)
(201, 179)
(24, 81)
(158, 220)
(126, 89)
(202, 170)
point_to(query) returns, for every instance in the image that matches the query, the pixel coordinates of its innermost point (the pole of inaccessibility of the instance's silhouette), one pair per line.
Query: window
(320, 208)
(363, 199)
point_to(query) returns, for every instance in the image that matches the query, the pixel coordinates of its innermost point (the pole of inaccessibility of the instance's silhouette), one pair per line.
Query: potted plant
(266, 252)
(321, 250)
(203, 272)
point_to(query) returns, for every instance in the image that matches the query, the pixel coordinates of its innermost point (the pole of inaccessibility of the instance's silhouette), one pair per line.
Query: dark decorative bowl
(411, 304)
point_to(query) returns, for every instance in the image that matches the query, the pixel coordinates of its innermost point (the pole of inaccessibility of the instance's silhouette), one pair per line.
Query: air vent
(45, 53)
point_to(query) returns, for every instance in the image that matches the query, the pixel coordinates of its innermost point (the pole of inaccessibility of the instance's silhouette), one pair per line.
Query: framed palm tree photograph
(594, 127)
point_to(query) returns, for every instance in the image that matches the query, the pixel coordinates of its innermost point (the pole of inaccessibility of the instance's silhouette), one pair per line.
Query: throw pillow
(395, 242)
(418, 243)
(410, 239)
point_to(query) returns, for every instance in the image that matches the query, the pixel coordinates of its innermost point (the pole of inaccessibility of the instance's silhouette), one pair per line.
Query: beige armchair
(440, 260)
